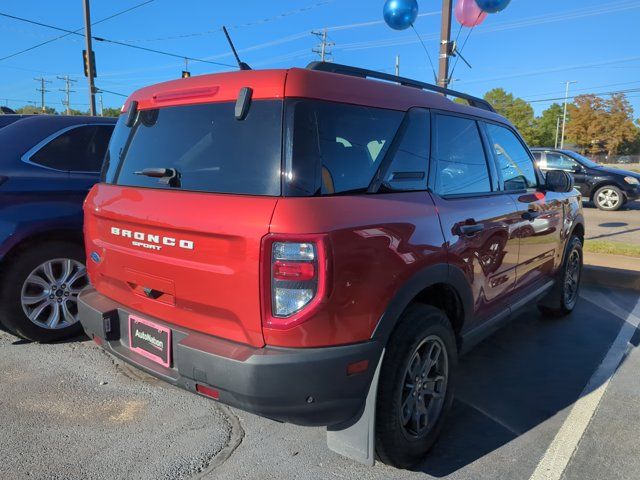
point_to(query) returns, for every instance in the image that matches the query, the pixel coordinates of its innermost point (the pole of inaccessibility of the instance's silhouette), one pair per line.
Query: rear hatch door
(184, 247)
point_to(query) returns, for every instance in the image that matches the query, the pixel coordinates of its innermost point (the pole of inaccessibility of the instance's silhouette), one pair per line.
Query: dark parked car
(607, 187)
(48, 165)
(6, 119)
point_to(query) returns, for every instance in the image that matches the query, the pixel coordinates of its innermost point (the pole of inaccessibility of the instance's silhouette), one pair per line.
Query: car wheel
(564, 296)
(39, 291)
(609, 198)
(416, 386)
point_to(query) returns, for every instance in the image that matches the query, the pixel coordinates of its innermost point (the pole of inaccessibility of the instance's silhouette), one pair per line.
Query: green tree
(518, 111)
(546, 126)
(73, 111)
(33, 110)
(111, 112)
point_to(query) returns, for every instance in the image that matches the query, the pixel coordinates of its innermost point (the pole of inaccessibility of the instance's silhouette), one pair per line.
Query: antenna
(241, 64)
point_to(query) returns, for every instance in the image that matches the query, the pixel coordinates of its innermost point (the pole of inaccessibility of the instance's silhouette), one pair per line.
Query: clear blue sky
(529, 49)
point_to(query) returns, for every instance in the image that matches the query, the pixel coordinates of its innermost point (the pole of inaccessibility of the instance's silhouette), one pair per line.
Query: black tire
(558, 303)
(396, 443)
(17, 269)
(603, 198)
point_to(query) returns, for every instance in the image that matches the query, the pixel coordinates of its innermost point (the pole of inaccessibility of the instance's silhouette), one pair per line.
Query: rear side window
(514, 161)
(557, 161)
(334, 148)
(81, 149)
(408, 169)
(210, 150)
(461, 164)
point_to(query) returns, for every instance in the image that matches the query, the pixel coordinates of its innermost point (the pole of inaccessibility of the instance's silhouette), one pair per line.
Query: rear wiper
(167, 176)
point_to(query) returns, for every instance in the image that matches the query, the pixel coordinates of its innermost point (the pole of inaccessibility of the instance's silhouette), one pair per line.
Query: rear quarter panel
(377, 243)
(32, 206)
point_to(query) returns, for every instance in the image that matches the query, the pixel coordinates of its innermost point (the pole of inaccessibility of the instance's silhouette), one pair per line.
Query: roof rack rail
(365, 73)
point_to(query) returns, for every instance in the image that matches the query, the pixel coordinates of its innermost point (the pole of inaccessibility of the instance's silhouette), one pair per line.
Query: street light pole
(564, 115)
(445, 43)
(90, 73)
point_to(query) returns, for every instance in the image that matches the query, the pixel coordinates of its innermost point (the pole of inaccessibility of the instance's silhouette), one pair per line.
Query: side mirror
(558, 181)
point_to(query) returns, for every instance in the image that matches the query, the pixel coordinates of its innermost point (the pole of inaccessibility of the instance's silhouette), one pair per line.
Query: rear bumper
(302, 386)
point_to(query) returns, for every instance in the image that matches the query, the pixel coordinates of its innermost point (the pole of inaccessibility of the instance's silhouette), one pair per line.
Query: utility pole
(564, 115)
(90, 72)
(445, 43)
(324, 49)
(42, 91)
(68, 81)
(397, 65)
(101, 107)
(558, 132)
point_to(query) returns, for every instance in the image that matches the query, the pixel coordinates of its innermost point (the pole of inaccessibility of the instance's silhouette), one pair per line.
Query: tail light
(295, 270)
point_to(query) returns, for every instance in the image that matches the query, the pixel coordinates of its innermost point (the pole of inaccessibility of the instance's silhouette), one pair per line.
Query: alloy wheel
(572, 279)
(49, 295)
(608, 198)
(424, 387)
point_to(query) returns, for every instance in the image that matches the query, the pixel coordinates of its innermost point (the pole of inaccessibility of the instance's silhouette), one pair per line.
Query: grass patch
(612, 248)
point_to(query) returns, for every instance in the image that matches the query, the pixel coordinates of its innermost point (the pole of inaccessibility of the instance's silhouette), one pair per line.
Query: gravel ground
(71, 411)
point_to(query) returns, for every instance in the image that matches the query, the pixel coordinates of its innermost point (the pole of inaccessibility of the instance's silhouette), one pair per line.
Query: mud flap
(355, 439)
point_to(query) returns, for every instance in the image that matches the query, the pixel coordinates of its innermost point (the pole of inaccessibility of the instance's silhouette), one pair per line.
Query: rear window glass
(335, 148)
(210, 150)
(79, 149)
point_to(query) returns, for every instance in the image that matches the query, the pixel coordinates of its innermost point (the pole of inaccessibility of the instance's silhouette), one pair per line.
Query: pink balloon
(468, 13)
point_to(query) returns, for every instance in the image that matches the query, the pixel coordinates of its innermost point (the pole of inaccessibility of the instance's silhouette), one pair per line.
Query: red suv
(305, 243)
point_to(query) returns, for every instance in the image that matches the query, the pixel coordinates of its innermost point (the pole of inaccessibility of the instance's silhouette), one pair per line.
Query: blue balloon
(400, 14)
(493, 6)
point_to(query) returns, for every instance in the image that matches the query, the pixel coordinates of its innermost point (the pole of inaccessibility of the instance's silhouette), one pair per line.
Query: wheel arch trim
(446, 274)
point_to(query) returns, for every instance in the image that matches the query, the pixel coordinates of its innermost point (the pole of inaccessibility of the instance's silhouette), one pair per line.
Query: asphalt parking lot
(540, 399)
(621, 226)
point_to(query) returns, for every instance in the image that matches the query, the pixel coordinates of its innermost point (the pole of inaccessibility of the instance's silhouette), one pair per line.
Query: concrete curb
(611, 277)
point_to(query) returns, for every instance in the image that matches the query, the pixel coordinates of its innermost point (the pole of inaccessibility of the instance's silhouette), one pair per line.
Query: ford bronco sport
(316, 246)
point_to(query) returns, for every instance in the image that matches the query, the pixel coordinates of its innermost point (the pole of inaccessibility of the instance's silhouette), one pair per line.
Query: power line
(115, 42)
(102, 90)
(617, 92)
(583, 89)
(75, 31)
(553, 70)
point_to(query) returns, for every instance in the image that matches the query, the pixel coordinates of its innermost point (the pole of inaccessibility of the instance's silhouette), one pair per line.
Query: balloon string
(435, 76)
(455, 64)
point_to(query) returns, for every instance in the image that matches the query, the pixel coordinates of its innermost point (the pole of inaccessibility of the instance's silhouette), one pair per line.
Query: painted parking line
(557, 457)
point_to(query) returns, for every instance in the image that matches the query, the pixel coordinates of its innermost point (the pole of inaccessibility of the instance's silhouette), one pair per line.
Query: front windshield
(583, 160)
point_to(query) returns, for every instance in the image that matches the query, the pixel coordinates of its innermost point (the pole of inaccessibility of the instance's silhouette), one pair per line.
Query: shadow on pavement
(609, 235)
(522, 376)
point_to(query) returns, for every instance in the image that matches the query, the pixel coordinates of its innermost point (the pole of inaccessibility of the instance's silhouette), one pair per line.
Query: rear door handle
(530, 215)
(471, 229)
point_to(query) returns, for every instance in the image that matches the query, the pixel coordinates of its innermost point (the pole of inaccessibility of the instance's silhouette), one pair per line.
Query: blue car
(47, 165)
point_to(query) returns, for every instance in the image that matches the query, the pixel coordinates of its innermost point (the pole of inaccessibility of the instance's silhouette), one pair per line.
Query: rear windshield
(333, 148)
(205, 144)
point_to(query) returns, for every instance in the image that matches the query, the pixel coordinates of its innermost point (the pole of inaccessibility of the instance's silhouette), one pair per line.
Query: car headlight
(632, 180)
